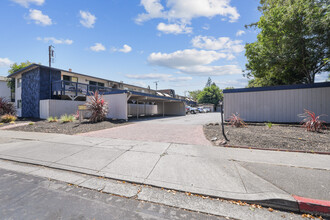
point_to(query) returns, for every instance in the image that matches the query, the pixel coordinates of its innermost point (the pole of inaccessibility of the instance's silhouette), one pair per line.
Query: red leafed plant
(76, 116)
(235, 120)
(6, 107)
(312, 122)
(98, 107)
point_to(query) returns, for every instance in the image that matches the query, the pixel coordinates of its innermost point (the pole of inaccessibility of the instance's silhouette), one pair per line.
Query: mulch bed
(70, 127)
(286, 137)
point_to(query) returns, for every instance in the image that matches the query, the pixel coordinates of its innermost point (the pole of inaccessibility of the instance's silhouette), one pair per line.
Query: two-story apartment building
(37, 82)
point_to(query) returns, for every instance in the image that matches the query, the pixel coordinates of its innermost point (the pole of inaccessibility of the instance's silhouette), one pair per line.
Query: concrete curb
(6, 127)
(276, 203)
(282, 150)
(313, 206)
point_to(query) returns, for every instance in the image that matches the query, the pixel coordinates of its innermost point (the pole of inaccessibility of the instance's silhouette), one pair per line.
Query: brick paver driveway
(184, 129)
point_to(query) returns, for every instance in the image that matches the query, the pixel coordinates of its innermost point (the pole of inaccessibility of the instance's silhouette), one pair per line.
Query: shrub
(67, 118)
(236, 121)
(76, 116)
(52, 119)
(8, 118)
(6, 107)
(269, 124)
(312, 122)
(98, 107)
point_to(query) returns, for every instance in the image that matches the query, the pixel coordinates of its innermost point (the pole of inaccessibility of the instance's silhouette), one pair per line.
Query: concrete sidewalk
(266, 177)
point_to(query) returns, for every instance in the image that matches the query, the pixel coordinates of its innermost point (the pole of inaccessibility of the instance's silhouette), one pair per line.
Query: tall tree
(14, 68)
(211, 94)
(293, 44)
(194, 94)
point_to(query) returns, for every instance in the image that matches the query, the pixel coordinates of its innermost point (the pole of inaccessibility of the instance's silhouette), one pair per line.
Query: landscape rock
(214, 139)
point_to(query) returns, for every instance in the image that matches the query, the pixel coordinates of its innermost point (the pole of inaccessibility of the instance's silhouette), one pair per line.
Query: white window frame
(19, 82)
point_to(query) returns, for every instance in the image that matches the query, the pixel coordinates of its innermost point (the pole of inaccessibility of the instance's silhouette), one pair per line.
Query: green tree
(211, 94)
(293, 43)
(230, 87)
(194, 94)
(14, 68)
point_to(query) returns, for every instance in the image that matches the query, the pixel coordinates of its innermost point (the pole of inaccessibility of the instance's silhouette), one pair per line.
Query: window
(19, 103)
(74, 79)
(93, 83)
(19, 83)
(66, 78)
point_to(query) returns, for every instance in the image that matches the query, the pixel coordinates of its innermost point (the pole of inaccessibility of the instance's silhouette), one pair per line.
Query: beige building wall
(117, 104)
(278, 105)
(4, 89)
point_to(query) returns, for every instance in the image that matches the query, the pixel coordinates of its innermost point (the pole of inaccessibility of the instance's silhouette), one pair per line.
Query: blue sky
(179, 43)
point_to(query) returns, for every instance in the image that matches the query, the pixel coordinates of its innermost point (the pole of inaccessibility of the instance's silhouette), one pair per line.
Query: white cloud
(5, 62)
(98, 47)
(174, 28)
(240, 32)
(139, 83)
(26, 3)
(160, 76)
(236, 83)
(39, 18)
(126, 49)
(183, 58)
(186, 10)
(212, 70)
(206, 27)
(55, 40)
(323, 77)
(194, 62)
(224, 44)
(87, 19)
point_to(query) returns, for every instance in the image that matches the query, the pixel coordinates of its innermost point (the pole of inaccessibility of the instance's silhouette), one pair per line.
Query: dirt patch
(68, 128)
(285, 137)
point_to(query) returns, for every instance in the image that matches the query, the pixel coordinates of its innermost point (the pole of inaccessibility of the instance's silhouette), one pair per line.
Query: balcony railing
(62, 87)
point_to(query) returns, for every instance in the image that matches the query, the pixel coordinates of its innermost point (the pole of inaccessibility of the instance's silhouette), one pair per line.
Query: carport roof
(149, 97)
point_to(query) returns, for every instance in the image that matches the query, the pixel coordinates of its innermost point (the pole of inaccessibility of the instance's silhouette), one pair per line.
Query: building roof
(283, 87)
(151, 96)
(34, 65)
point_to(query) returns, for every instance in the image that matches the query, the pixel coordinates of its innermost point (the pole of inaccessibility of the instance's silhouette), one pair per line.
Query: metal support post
(222, 123)
(137, 109)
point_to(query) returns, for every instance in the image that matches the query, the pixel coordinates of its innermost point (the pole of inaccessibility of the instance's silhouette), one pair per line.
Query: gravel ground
(285, 137)
(68, 128)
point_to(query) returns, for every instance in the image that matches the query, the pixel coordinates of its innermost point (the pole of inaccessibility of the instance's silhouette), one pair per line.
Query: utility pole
(156, 82)
(50, 57)
(50, 54)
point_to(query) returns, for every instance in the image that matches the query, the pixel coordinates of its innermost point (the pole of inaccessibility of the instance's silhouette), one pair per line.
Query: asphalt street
(29, 197)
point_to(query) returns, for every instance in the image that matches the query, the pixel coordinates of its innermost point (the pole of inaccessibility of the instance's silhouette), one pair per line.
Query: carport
(124, 104)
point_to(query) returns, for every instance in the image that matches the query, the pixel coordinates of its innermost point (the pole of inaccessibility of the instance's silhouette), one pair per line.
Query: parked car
(191, 110)
(201, 110)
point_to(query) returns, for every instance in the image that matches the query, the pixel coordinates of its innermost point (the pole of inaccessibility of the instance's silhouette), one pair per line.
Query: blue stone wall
(30, 93)
(36, 86)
